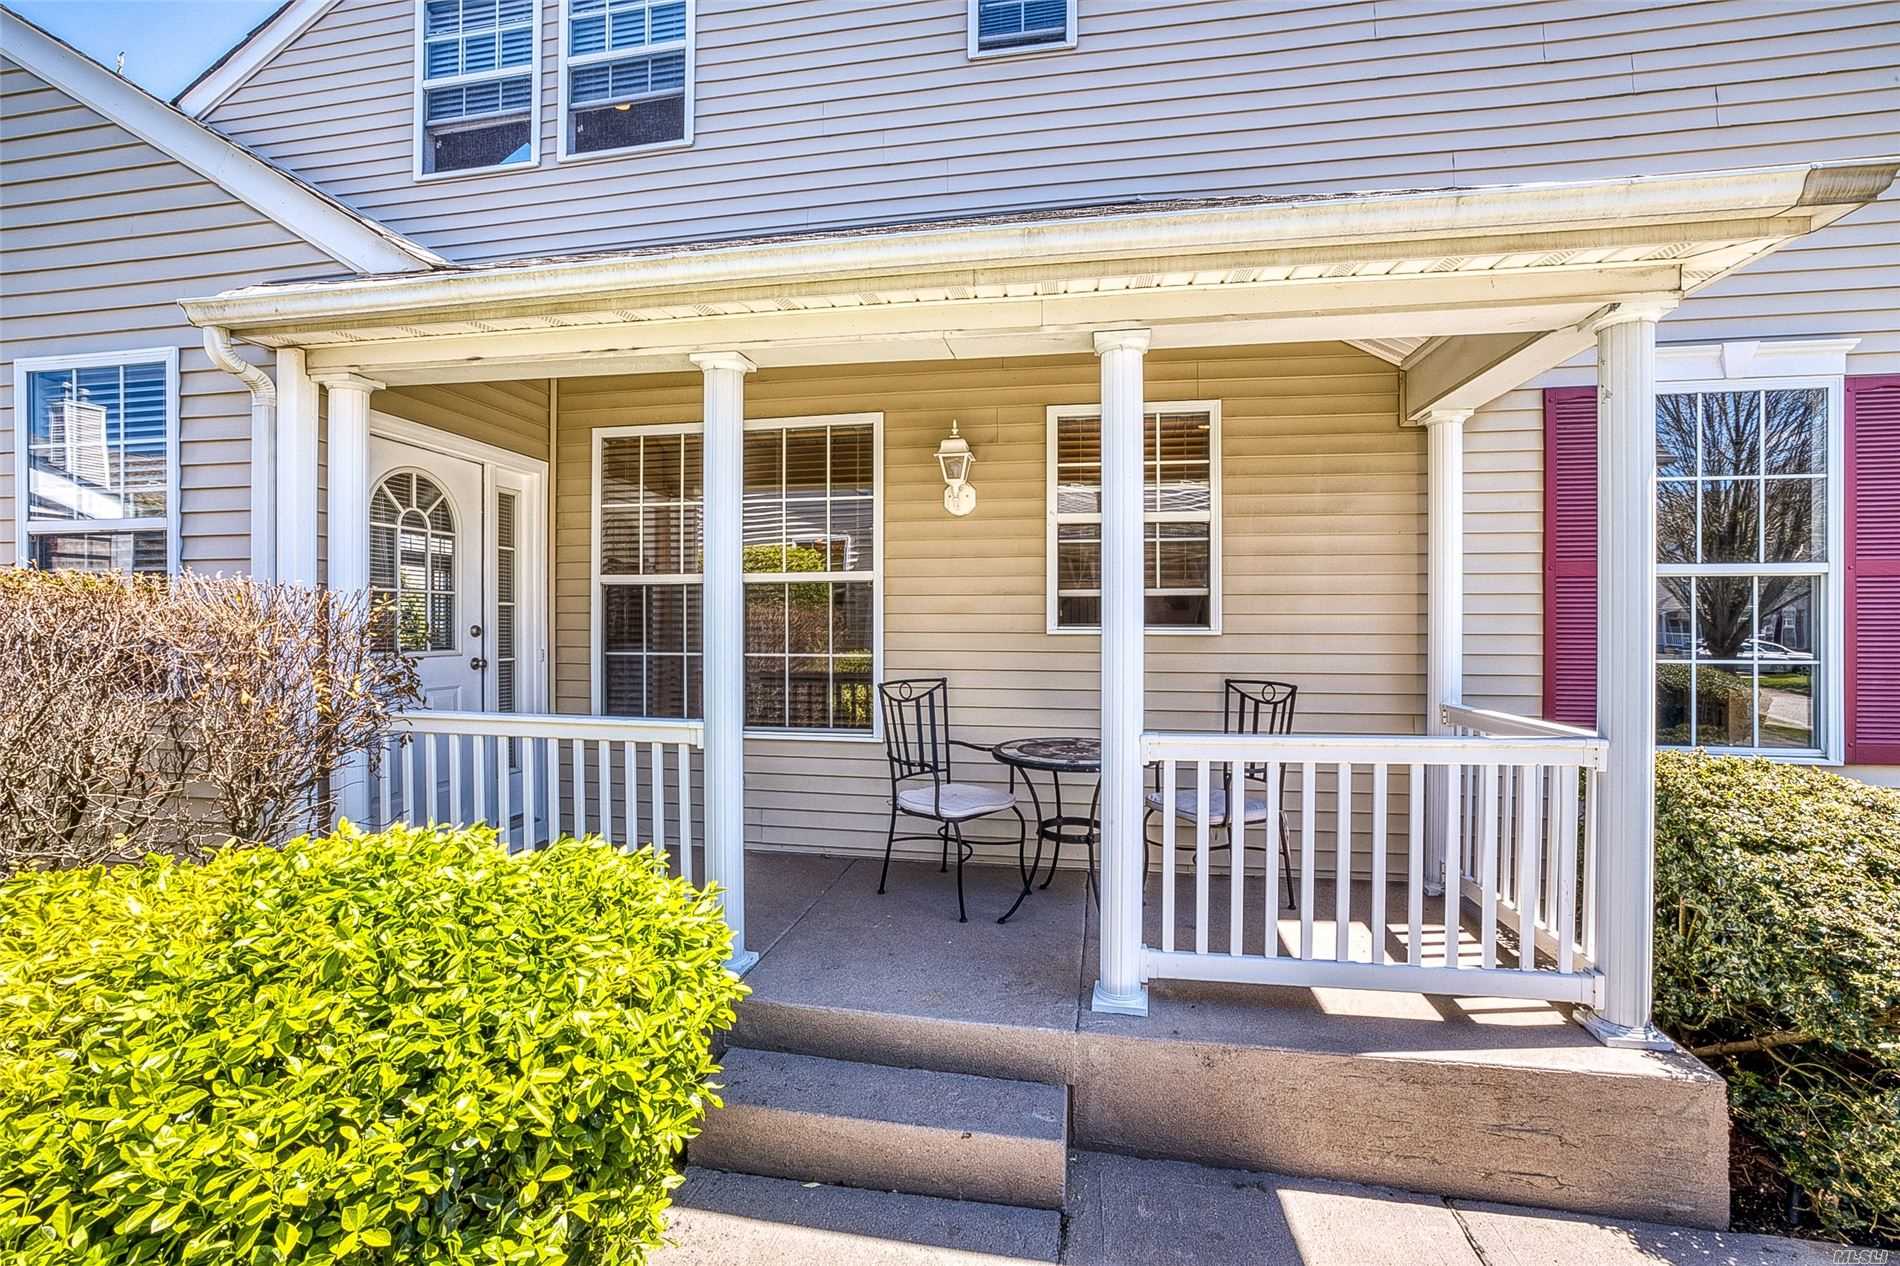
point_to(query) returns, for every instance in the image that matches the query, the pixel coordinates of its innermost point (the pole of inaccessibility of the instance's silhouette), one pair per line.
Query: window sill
(815, 736)
(626, 151)
(1026, 50)
(466, 173)
(1784, 758)
(1053, 631)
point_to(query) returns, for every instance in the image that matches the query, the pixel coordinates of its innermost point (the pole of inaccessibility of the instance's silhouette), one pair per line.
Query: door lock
(478, 663)
(474, 630)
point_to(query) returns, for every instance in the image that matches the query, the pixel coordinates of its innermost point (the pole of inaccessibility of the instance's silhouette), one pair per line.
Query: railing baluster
(1415, 865)
(1309, 772)
(1590, 867)
(529, 818)
(656, 754)
(1168, 816)
(1201, 814)
(553, 752)
(1507, 828)
(1563, 921)
(392, 753)
(1270, 928)
(1488, 878)
(455, 781)
(630, 758)
(478, 746)
(1530, 864)
(607, 791)
(1342, 863)
(504, 816)
(580, 787)
(429, 787)
(1378, 863)
(1236, 855)
(686, 800)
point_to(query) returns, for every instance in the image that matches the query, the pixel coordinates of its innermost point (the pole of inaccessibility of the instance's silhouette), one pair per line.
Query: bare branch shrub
(140, 713)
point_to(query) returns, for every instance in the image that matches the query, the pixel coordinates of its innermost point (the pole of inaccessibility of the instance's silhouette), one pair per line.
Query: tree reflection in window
(412, 564)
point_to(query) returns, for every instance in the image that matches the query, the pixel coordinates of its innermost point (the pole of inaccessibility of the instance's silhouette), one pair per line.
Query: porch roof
(1389, 270)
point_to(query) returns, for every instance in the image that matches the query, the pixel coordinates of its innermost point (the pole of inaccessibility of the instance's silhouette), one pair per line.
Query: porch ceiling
(1386, 271)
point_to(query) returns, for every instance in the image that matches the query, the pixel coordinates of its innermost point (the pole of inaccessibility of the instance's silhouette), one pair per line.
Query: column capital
(738, 362)
(1646, 308)
(1434, 417)
(347, 381)
(1122, 340)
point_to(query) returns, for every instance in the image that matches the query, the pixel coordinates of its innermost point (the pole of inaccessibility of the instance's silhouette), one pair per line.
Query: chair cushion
(1187, 805)
(954, 801)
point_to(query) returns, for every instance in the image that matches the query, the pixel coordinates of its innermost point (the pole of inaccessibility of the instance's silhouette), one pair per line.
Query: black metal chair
(1248, 706)
(917, 743)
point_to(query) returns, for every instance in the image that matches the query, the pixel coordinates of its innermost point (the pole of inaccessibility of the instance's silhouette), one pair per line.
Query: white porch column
(295, 470)
(723, 622)
(1444, 612)
(348, 527)
(1626, 679)
(1120, 987)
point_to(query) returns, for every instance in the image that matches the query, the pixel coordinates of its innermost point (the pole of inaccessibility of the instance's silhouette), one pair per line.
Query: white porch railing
(536, 778)
(1523, 816)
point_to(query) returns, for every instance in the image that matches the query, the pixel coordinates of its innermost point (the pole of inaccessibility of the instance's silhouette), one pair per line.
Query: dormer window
(475, 98)
(626, 76)
(999, 27)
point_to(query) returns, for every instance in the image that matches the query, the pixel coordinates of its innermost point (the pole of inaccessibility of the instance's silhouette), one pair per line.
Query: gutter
(263, 390)
(1176, 236)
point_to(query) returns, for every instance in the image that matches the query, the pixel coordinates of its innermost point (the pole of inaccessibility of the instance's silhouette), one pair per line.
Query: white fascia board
(346, 237)
(1368, 221)
(241, 62)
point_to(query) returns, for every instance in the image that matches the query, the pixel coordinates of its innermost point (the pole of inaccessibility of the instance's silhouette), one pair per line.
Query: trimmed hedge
(1778, 960)
(405, 1047)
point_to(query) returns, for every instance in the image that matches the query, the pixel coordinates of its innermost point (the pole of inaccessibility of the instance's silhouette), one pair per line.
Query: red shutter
(1873, 570)
(1570, 555)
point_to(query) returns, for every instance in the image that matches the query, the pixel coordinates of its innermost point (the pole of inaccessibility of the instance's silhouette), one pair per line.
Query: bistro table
(1056, 757)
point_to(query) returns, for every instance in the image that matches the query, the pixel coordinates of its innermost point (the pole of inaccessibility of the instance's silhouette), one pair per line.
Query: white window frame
(597, 684)
(1065, 45)
(26, 528)
(563, 151)
(1058, 413)
(1831, 666)
(418, 103)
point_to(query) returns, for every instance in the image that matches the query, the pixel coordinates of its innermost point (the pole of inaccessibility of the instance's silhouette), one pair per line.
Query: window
(626, 75)
(412, 564)
(97, 459)
(1745, 565)
(475, 91)
(507, 639)
(1181, 499)
(1020, 26)
(810, 533)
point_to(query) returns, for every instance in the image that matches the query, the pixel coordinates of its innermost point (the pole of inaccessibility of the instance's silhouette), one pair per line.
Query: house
(1521, 381)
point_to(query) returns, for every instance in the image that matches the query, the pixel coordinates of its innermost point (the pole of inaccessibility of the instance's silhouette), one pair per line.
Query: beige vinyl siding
(1322, 555)
(510, 415)
(101, 235)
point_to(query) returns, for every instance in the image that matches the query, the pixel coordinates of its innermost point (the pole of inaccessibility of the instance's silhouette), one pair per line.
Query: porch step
(889, 1129)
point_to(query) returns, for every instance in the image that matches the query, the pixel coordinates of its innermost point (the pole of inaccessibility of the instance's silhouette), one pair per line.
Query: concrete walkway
(1128, 1212)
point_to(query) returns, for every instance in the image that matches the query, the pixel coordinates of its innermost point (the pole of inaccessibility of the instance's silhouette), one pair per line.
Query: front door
(427, 539)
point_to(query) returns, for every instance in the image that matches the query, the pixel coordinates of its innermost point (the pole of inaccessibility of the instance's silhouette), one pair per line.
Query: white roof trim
(350, 239)
(242, 61)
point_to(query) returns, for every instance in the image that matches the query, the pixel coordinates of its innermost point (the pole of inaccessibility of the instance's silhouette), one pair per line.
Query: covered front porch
(1343, 344)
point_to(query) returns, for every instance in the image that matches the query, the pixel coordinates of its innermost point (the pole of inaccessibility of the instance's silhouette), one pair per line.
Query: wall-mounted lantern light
(955, 459)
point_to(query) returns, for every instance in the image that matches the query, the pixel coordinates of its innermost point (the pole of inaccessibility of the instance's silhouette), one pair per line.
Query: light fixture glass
(954, 459)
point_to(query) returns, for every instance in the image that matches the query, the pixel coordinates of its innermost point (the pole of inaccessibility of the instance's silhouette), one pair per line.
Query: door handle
(478, 663)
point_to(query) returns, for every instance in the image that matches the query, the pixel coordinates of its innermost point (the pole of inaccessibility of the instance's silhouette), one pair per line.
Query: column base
(742, 962)
(1106, 1003)
(1622, 1036)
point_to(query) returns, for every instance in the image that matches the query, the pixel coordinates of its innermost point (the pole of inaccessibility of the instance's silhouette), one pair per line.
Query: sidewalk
(1128, 1212)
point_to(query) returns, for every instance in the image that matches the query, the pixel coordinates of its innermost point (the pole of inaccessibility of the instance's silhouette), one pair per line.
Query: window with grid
(1744, 568)
(476, 96)
(810, 575)
(1012, 26)
(626, 66)
(652, 521)
(1180, 499)
(412, 564)
(95, 460)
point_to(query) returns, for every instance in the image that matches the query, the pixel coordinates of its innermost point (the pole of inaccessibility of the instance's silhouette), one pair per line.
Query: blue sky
(165, 42)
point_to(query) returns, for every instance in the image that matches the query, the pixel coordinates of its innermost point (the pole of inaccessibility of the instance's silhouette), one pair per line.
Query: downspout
(263, 448)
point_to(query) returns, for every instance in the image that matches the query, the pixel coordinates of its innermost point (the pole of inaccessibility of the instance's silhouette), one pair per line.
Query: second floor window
(626, 77)
(1020, 26)
(475, 96)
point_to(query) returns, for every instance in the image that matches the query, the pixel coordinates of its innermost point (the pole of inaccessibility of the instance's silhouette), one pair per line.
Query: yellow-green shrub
(405, 1047)
(1778, 955)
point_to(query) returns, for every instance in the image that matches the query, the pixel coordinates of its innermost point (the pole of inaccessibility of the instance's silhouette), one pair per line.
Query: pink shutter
(1872, 604)
(1570, 555)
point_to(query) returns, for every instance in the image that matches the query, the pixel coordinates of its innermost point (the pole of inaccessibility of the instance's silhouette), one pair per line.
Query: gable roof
(353, 240)
(239, 62)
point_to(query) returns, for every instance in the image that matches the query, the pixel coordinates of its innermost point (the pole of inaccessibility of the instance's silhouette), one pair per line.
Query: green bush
(405, 1047)
(1778, 960)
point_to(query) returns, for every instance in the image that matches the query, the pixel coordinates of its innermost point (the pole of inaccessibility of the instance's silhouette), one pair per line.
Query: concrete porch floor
(1479, 1098)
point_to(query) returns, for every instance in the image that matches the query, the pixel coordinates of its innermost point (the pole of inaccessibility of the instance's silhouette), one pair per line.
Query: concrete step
(889, 1129)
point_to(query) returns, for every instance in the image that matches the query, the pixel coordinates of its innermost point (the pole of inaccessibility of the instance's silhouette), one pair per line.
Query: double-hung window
(1746, 555)
(96, 461)
(475, 92)
(626, 75)
(1020, 26)
(1180, 518)
(810, 561)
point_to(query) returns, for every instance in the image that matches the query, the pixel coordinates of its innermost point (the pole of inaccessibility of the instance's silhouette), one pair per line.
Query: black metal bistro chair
(923, 785)
(1248, 706)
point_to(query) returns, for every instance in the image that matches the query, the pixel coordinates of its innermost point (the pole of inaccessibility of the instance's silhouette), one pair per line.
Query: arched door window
(412, 563)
